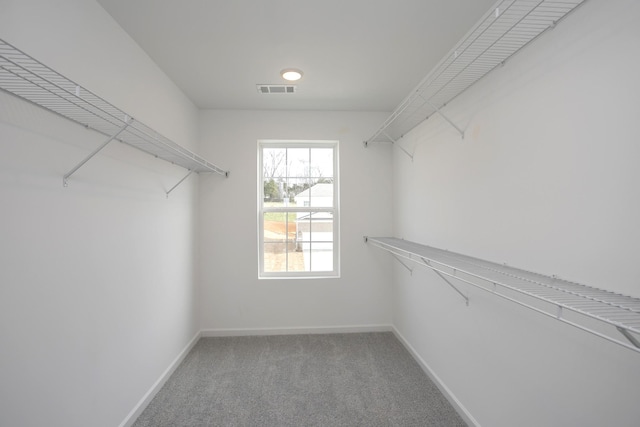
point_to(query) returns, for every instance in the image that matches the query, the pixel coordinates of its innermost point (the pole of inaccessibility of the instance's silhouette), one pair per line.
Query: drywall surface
(546, 179)
(98, 289)
(232, 296)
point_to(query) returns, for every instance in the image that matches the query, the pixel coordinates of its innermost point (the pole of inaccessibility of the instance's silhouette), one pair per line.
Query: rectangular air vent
(276, 88)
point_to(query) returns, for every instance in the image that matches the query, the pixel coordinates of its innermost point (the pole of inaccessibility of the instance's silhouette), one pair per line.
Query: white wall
(97, 281)
(233, 299)
(545, 179)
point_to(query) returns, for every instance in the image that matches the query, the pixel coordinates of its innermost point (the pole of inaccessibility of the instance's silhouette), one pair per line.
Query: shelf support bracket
(392, 141)
(403, 264)
(633, 340)
(179, 182)
(366, 240)
(65, 178)
(444, 116)
(398, 145)
(428, 264)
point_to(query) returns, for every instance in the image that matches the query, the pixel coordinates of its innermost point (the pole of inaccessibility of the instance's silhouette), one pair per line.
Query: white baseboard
(237, 332)
(155, 388)
(462, 411)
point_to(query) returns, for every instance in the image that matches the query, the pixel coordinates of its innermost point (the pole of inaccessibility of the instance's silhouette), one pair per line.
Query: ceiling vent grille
(268, 89)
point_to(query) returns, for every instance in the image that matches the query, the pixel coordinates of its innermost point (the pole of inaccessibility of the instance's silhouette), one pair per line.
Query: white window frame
(335, 209)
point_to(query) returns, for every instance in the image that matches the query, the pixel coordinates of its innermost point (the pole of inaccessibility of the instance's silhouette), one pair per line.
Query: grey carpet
(364, 379)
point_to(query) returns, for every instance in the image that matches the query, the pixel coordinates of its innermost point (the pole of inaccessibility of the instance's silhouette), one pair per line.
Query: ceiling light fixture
(291, 74)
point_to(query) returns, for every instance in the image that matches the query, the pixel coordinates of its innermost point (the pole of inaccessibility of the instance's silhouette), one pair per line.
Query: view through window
(298, 208)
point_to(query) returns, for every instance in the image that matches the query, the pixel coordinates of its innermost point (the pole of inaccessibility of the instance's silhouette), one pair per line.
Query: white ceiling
(364, 55)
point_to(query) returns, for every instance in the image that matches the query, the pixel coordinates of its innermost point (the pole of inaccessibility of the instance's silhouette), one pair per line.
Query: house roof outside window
(318, 190)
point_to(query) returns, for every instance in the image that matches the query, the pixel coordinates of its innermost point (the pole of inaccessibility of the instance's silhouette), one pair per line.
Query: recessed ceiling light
(291, 74)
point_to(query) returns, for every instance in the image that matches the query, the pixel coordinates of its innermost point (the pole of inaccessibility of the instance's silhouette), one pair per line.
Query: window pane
(279, 238)
(275, 258)
(295, 186)
(315, 240)
(303, 230)
(279, 226)
(322, 227)
(321, 163)
(296, 261)
(274, 190)
(274, 162)
(277, 203)
(321, 257)
(301, 193)
(298, 162)
(321, 195)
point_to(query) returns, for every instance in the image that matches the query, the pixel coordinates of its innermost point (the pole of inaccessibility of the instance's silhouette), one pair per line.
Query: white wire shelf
(597, 311)
(27, 78)
(505, 29)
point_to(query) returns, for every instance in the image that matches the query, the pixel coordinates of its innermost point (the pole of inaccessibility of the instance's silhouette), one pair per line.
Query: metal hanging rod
(548, 295)
(29, 79)
(505, 29)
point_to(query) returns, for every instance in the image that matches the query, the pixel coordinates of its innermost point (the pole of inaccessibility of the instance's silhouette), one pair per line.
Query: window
(298, 209)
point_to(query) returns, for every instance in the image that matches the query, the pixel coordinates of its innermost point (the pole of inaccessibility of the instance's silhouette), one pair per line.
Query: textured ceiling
(364, 55)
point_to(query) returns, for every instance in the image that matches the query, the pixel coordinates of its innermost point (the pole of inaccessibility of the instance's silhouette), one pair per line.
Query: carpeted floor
(366, 379)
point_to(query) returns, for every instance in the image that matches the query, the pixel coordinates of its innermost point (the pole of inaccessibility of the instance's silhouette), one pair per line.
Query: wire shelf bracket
(393, 142)
(65, 178)
(444, 116)
(397, 258)
(506, 28)
(428, 264)
(25, 77)
(608, 315)
(179, 182)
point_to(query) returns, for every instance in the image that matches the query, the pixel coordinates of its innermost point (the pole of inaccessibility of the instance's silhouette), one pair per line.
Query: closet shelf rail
(29, 79)
(602, 313)
(501, 32)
